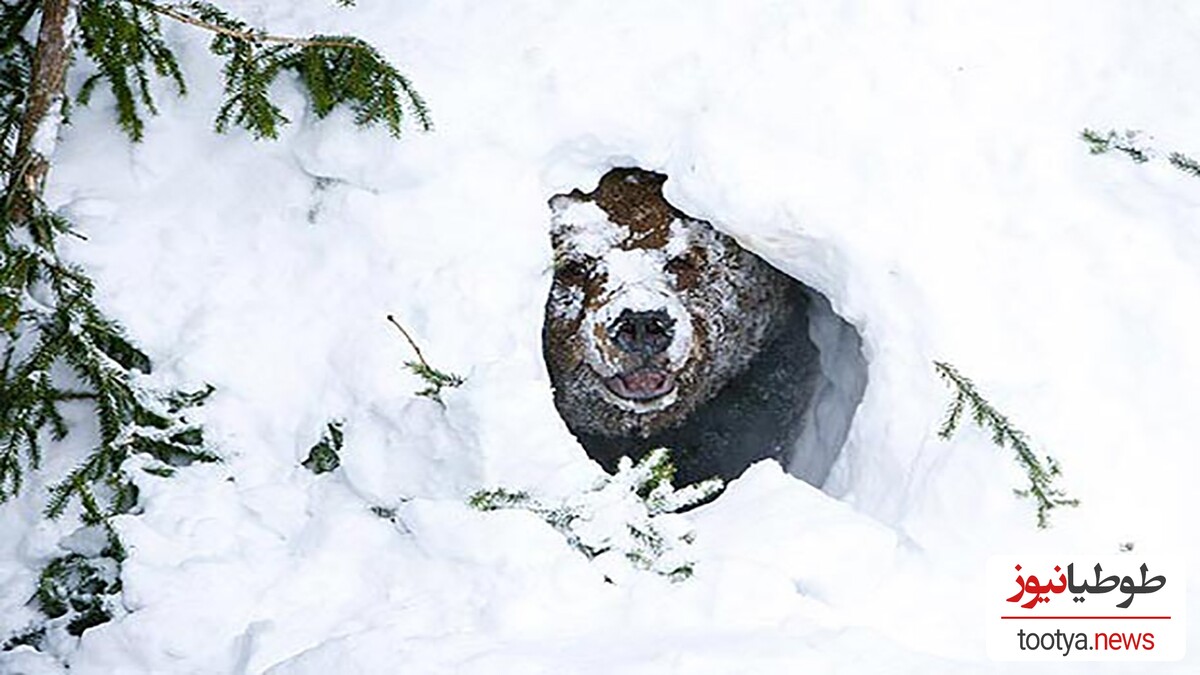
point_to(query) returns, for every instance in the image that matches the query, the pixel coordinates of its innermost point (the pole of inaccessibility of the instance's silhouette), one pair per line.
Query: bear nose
(647, 333)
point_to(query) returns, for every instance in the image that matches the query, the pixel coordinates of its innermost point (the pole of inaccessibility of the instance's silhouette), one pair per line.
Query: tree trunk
(39, 126)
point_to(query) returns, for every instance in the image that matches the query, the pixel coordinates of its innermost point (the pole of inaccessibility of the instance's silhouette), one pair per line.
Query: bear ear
(633, 175)
(560, 203)
(644, 177)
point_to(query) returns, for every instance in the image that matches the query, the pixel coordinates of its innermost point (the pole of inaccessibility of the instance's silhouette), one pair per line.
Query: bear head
(651, 312)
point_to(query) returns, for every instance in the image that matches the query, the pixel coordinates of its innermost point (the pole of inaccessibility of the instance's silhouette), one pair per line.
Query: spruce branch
(323, 455)
(1125, 143)
(499, 498)
(47, 313)
(191, 13)
(434, 378)
(1041, 473)
(126, 43)
(631, 518)
(1184, 163)
(57, 347)
(334, 70)
(82, 590)
(66, 330)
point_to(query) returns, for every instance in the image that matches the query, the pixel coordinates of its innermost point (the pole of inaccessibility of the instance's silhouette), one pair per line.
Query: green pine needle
(323, 456)
(498, 498)
(83, 589)
(434, 378)
(1184, 163)
(1041, 472)
(63, 329)
(57, 347)
(1125, 143)
(646, 543)
(124, 39)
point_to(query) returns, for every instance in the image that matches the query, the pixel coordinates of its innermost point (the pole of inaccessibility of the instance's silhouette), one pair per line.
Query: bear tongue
(644, 381)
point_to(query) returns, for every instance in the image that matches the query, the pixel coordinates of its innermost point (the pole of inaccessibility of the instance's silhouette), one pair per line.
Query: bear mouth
(641, 384)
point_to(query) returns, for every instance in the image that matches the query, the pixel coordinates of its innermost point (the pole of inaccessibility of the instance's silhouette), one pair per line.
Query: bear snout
(644, 333)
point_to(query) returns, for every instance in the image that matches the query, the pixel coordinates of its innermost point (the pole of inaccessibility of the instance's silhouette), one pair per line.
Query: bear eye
(573, 271)
(685, 263)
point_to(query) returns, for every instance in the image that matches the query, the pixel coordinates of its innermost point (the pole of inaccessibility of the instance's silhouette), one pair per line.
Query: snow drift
(915, 164)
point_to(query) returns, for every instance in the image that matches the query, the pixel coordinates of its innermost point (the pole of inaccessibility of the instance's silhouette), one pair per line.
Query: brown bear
(661, 331)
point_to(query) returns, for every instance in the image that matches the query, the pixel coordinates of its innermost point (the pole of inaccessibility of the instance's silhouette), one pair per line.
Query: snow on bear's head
(651, 312)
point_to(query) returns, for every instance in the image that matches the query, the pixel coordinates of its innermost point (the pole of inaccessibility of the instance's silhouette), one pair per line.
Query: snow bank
(915, 163)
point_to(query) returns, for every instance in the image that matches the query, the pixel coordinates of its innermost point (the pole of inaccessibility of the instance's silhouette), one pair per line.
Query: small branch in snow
(1129, 143)
(626, 522)
(1126, 143)
(408, 337)
(436, 379)
(181, 13)
(1004, 433)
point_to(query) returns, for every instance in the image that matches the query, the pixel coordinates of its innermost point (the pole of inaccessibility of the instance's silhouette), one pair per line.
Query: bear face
(651, 312)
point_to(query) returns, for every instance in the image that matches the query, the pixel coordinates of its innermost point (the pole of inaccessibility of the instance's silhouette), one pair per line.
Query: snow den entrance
(838, 383)
(661, 331)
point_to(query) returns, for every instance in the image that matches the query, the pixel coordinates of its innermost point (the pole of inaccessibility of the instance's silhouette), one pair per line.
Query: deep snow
(917, 162)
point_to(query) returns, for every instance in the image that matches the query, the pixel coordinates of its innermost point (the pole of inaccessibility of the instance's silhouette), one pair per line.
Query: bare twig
(412, 342)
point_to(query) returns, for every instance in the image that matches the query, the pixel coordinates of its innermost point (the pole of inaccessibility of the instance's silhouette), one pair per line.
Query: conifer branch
(180, 12)
(335, 70)
(985, 416)
(1127, 143)
(125, 42)
(434, 378)
(1184, 163)
(650, 535)
(57, 347)
(323, 455)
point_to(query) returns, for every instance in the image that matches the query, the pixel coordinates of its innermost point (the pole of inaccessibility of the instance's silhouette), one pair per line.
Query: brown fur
(726, 304)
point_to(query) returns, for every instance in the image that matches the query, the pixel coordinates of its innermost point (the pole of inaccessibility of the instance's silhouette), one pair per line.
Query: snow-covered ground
(915, 161)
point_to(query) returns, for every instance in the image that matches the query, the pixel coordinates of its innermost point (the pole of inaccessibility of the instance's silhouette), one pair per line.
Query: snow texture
(915, 161)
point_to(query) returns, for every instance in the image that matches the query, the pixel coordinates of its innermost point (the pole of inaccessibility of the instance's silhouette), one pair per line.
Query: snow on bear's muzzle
(640, 335)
